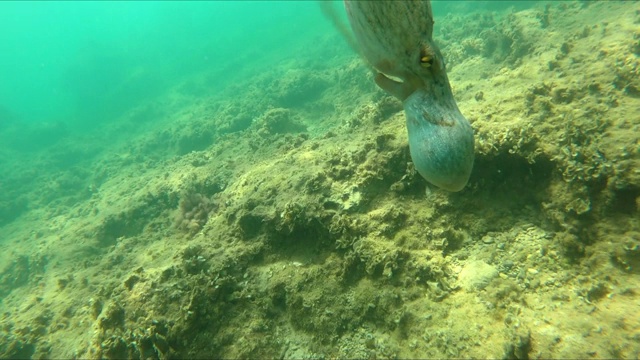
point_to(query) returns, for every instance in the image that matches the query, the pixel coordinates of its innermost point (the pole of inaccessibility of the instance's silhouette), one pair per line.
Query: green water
(83, 62)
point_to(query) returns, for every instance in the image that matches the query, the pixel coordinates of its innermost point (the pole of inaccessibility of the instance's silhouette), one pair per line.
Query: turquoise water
(84, 62)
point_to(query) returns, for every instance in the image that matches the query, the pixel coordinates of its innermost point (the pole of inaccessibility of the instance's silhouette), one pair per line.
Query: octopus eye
(426, 57)
(425, 61)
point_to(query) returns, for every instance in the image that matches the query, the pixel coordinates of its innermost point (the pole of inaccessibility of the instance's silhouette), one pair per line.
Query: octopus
(395, 39)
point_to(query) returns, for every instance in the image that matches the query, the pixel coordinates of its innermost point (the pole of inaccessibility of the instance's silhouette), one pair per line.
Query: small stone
(476, 275)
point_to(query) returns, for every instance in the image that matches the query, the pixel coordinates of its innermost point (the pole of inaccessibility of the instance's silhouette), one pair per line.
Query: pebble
(476, 275)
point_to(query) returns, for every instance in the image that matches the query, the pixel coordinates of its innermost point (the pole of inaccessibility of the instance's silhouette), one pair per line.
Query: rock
(476, 275)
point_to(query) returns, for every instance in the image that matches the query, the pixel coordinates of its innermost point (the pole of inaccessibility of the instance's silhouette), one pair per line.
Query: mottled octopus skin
(395, 37)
